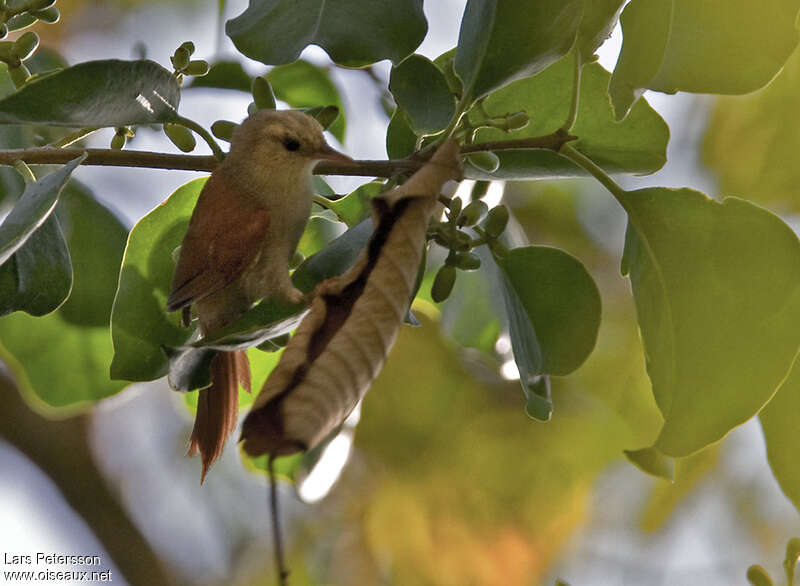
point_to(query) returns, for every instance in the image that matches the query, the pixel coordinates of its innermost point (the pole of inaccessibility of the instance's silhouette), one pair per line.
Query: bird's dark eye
(291, 144)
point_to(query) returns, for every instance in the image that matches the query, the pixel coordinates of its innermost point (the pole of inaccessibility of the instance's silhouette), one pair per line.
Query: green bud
(197, 68)
(19, 75)
(263, 97)
(443, 283)
(180, 59)
(479, 190)
(26, 45)
(758, 576)
(181, 137)
(188, 46)
(223, 129)
(517, 120)
(325, 115)
(3, 30)
(118, 142)
(49, 15)
(461, 241)
(455, 207)
(496, 221)
(467, 261)
(20, 21)
(484, 160)
(473, 213)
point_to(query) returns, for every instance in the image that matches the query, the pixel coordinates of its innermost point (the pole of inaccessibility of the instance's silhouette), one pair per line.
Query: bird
(241, 237)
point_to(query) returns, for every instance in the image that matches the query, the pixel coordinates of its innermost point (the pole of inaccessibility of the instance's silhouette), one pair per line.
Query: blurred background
(440, 478)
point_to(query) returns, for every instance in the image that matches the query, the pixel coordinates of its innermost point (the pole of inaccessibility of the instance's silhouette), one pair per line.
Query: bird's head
(288, 140)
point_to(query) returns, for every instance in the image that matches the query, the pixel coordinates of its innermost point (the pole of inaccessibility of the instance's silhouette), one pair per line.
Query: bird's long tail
(218, 406)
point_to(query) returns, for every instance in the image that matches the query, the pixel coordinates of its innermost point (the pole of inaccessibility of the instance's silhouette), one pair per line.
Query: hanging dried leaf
(341, 345)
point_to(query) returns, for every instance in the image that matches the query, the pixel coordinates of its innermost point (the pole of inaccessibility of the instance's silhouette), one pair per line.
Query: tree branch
(61, 449)
(207, 163)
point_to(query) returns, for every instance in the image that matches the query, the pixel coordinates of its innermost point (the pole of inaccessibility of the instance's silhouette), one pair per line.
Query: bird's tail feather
(218, 406)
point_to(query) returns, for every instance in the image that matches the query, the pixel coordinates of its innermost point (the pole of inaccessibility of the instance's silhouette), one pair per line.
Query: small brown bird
(242, 234)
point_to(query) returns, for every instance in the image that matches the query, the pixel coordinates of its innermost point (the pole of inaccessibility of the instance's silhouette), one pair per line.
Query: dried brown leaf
(341, 345)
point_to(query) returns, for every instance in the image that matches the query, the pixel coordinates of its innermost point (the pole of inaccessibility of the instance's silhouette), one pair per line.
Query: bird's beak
(327, 153)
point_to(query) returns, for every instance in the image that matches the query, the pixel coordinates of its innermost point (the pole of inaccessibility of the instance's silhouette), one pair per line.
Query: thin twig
(277, 541)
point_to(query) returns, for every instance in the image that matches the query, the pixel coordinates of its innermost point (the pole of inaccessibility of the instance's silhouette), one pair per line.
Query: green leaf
(37, 278)
(599, 19)
(653, 462)
(420, 88)
(553, 310)
(34, 207)
(401, 140)
(718, 46)
(58, 360)
(636, 145)
(503, 41)
(140, 324)
(96, 93)
(717, 292)
(226, 75)
(355, 206)
(303, 85)
(780, 420)
(758, 576)
(353, 33)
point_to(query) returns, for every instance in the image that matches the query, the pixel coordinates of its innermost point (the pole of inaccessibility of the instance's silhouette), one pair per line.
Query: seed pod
(118, 142)
(484, 160)
(479, 190)
(20, 21)
(25, 45)
(473, 213)
(180, 136)
(197, 68)
(223, 129)
(263, 97)
(180, 59)
(467, 261)
(517, 120)
(19, 75)
(496, 221)
(49, 15)
(443, 283)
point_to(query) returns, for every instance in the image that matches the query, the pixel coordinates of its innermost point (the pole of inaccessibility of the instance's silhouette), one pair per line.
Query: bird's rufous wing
(224, 238)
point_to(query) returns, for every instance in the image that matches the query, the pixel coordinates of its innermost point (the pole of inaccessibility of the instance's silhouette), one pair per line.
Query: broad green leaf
(303, 85)
(353, 33)
(355, 206)
(140, 324)
(653, 462)
(420, 88)
(226, 75)
(599, 19)
(717, 292)
(780, 420)
(505, 40)
(553, 310)
(37, 278)
(58, 361)
(717, 46)
(636, 145)
(400, 138)
(96, 93)
(34, 207)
